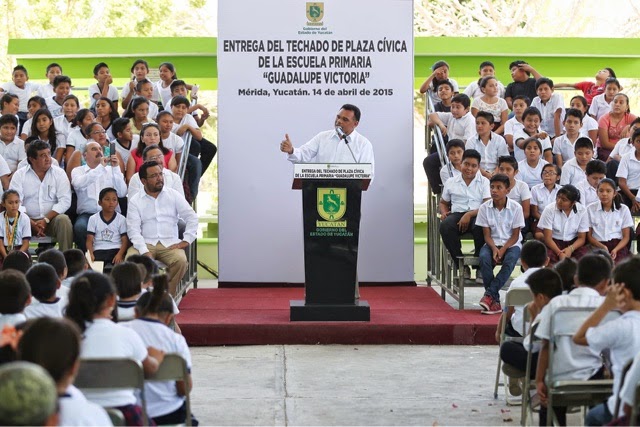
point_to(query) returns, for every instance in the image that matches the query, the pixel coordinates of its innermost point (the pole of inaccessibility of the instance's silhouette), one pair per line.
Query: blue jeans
(492, 285)
(599, 415)
(80, 231)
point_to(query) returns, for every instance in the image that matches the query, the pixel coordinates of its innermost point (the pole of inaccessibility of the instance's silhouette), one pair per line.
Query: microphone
(343, 135)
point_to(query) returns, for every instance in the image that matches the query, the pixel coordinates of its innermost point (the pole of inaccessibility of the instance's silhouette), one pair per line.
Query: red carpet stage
(399, 315)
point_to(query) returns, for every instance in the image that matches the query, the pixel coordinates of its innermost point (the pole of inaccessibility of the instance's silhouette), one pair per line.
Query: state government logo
(315, 13)
(332, 203)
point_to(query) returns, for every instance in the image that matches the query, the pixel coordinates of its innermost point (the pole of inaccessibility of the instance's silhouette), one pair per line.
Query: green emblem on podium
(332, 203)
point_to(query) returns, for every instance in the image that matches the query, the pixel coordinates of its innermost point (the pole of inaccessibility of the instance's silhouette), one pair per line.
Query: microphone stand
(342, 135)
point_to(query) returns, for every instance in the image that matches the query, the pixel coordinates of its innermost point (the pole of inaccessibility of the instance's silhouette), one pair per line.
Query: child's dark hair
(54, 258)
(98, 66)
(138, 101)
(127, 278)
(40, 100)
(551, 165)
(437, 64)
(106, 191)
(58, 80)
(460, 98)
(627, 272)
(138, 62)
(593, 269)
(141, 145)
(534, 254)
(472, 154)
(8, 119)
(544, 81)
(20, 68)
(510, 160)
(119, 125)
(151, 268)
(17, 260)
(617, 199)
(596, 166)
(486, 79)
(8, 192)
(89, 129)
(80, 116)
(583, 142)
(73, 97)
(51, 343)
(485, 115)
(525, 98)
(574, 112)
(444, 82)
(517, 63)
(635, 121)
(486, 64)
(500, 177)
(113, 113)
(604, 253)
(546, 282)
(14, 292)
(612, 81)
(176, 83)
(142, 83)
(53, 64)
(156, 301)
(636, 134)
(170, 67)
(567, 268)
(88, 294)
(43, 281)
(453, 143)
(163, 113)
(582, 99)
(75, 260)
(528, 141)
(51, 133)
(531, 111)
(8, 98)
(571, 193)
(182, 100)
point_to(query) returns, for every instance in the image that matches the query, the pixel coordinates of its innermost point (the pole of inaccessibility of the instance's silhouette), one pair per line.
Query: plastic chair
(112, 373)
(515, 297)
(174, 368)
(527, 406)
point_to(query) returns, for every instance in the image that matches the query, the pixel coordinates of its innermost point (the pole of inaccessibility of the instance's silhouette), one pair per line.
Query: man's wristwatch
(46, 220)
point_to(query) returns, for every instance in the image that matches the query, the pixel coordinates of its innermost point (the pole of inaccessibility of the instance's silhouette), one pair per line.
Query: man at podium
(340, 145)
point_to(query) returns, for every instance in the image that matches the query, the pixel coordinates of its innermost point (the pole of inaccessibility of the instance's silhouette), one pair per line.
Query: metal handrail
(437, 136)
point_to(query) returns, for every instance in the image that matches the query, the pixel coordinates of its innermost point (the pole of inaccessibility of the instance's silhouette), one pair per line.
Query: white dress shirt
(489, 153)
(53, 193)
(463, 197)
(155, 220)
(531, 175)
(89, 182)
(542, 197)
(572, 173)
(171, 180)
(608, 225)
(563, 227)
(501, 222)
(13, 153)
(630, 170)
(462, 128)
(518, 152)
(548, 111)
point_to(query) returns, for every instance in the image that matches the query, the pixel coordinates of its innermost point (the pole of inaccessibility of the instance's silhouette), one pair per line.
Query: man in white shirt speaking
(340, 145)
(152, 223)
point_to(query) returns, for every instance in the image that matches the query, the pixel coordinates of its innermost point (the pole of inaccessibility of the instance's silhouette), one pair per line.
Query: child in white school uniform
(610, 222)
(15, 226)
(542, 195)
(55, 258)
(531, 119)
(551, 106)
(127, 276)
(530, 169)
(459, 123)
(61, 88)
(518, 190)
(22, 87)
(563, 145)
(573, 170)
(15, 295)
(46, 90)
(11, 147)
(514, 124)
(596, 170)
(34, 104)
(103, 87)
(589, 126)
(54, 344)
(44, 282)
(107, 230)
(154, 313)
(620, 336)
(489, 144)
(455, 150)
(91, 303)
(64, 122)
(628, 174)
(572, 362)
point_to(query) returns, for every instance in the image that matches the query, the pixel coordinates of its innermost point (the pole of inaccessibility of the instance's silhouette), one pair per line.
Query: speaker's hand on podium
(286, 146)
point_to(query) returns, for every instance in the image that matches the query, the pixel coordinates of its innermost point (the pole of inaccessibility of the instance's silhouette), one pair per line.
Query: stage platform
(399, 315)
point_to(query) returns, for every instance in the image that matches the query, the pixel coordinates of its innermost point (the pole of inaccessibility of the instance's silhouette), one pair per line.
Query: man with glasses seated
(153, 153)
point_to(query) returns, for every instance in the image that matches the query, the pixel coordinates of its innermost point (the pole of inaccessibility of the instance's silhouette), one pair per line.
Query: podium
(331, 196)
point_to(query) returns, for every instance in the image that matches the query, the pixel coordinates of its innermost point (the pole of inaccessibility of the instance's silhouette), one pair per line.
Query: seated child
(23, 88)
(551, 106)
(17, 260)
(489, 144)
(473, 90)
(461, 198)
(610, 222)
(518, 190)
(440, 73)
(125, 140)
(15, 226)
(620, 336)
(542, 195)
(523, 83)
(565, 225)
(455, 150)
(104, 87)
(514, 124)
(445, 93)
(567, 270)
(589, 126)
(624, 145)
(530, 169)
(15, 296)
(593, 276)
(54, 344)
(76, 264)
(563, 146)
(144, 89)
(44, 282)
(127, 276)
(11, 147)
(46, 90)
(531, 119)
(107, 230)
(34, 104)
(62, 88)
(491, 102)
(601, 104)
(595, 171)
(501, 220)
(574, 170)
(55, 258)
(628, 174)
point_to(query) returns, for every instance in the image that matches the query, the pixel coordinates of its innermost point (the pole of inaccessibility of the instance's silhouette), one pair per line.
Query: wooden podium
(331, 196)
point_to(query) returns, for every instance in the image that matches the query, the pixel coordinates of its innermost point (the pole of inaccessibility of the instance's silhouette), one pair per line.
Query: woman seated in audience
(149, 135)
(614, 125)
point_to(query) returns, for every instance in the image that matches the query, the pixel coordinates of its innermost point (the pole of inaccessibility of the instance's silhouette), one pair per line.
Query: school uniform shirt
(599, 106)
(23, 93)
(463, 197)
(571, 361)
(572, 173)
(564, 228)
(462, 128)
(444, 173)
(12, 319)
(126, 152)
(564, 146)
(501, 222)
(542, 197)
(531, 175)
(76, 139)
(89, 182)
(105, 339)
(174, 143)
(473, 90)
(520, 282)
(126, 310)
(76, 410)
(512, 125)
(548, 111)
(162, 398)
(126, 90)
(628, 391)
(520, 192)
(622, 337)
(107, 234)
(588, 194)
(171, 180)
(622, 148)
(163, 93)
(53, 193)
(46, 91)
(46, 308)
(62, 125)
(518, 152)
(13, 153)
(22, 229)
(113, 94)
(608, 225)
(588, 124)
(630, 169)
(54, 108)
(4, 167)
(489, 153)
(189, 120)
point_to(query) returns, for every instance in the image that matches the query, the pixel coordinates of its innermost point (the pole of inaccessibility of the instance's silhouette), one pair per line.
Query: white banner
(286, 66)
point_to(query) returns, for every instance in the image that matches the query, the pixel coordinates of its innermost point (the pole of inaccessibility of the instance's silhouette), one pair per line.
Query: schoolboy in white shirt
(44, 283)
(46, 90)
(563, 146)
(103, 87)
(11, 147)
(61, 88)
(571, 362)
(459, 123)
(628, 174)
(489, 144)
(551, 106)
(596, 171)
(15, 295)
(518, 190)
(514, 124)
(574, 170)
(455, 150)
(23, 88)
(486, 69)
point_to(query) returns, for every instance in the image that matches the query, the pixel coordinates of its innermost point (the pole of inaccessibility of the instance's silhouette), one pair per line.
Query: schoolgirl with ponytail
(92, 299)
(154, 315)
